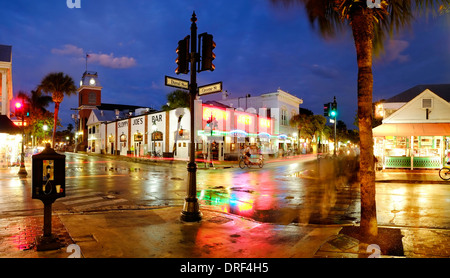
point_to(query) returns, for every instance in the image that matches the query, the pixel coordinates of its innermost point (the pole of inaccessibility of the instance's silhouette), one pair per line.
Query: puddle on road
(272, 207)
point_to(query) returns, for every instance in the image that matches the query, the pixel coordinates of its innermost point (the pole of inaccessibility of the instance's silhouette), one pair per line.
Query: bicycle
(244, 162)
(444, 172)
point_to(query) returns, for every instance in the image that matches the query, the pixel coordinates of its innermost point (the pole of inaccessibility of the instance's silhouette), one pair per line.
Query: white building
(10, 135)
(280, 106)
(6, 91)
(415, 130)
(221, 128)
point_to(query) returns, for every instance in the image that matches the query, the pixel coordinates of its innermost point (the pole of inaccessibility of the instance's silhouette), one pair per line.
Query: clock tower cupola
(89, 97)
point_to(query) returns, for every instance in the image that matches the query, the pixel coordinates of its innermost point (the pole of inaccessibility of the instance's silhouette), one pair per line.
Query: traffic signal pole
(335, 120)
(191, 210)
(20, 109)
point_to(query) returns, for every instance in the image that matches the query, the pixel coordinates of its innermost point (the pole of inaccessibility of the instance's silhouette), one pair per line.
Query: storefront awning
(7, 126)
(412, 129)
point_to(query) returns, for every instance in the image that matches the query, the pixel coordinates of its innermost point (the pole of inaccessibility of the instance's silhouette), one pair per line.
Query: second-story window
(284, 118)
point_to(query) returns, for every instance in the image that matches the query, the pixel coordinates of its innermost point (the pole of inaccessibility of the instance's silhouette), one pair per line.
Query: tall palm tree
(57, 84)
(369, 27)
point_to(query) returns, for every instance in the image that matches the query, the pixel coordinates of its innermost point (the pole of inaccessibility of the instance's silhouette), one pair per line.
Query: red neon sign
(216, 113)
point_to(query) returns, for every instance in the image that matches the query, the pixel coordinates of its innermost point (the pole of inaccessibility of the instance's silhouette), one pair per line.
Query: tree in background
(176, 99)
(38, 113)
(58, 85)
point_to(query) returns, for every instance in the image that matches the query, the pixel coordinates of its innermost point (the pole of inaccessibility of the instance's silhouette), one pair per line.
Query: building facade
(280, 106)
(415, 130)
(222, 128)
(6, 91)
(90, 99)
(10, 135)
(220, 133)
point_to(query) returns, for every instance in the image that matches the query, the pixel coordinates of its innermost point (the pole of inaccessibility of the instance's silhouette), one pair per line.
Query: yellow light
(244, 119)
(264, 122)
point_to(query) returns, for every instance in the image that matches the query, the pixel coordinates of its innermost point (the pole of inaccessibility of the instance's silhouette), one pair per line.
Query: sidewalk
(159, 233)
(409, 176)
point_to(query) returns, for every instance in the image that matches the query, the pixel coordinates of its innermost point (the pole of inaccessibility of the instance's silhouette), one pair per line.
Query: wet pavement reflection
(291, 191)
(295, 193)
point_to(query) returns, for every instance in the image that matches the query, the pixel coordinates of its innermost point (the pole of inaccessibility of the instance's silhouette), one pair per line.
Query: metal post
(191, 211)
(47, 241)
(47, 219)
(335, 142)
(22, 171)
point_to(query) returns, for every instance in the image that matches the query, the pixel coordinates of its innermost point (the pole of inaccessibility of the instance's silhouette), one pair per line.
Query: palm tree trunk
(55, 120)
(362, 28)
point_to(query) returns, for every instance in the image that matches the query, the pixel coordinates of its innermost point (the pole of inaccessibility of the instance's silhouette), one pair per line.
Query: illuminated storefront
(10, 143)
(221, 133)
(225, 131)
(415, 135)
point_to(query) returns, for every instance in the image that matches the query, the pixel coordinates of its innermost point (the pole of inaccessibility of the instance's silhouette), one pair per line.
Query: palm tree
(57, 84)
(369, 27)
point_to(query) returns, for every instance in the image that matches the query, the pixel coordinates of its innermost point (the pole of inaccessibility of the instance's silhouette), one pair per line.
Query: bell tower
(89, 97)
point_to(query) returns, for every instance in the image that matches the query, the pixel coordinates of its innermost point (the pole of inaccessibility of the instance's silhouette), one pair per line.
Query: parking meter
(48, 175)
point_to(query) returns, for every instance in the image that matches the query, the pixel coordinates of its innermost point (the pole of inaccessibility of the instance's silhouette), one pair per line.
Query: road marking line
(79, 196)
(83, 200)
(99, 204)
(95, 176)
(77, 190)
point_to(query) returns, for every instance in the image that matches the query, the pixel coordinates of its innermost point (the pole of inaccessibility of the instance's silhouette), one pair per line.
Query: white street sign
(177, 83)
(210, 89)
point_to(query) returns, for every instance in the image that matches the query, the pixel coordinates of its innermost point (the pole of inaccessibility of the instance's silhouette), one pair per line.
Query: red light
(18, 104)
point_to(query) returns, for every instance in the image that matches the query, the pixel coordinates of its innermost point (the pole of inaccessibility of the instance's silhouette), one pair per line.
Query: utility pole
(191, 210)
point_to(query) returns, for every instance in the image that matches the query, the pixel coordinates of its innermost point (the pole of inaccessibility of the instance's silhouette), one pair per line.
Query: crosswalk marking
(99, 204)
(85, 200)
(78, 190)
(78, 196)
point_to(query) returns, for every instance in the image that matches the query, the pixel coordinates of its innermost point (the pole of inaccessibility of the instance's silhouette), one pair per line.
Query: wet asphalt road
(281, 192)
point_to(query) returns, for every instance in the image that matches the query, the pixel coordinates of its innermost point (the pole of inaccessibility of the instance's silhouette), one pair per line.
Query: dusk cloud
(106, 60)
(112, 62)
(393, 52)
(68, 49)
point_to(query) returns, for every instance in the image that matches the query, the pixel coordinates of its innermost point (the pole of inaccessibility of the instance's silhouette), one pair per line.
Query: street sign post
(177, 83)
(210, 89)
(191, 210)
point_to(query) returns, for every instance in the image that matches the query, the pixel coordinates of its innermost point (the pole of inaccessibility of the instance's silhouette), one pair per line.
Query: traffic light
(208, 122)
(183, 56)
(18, 108)
(208, 55)
(333, 112)
(26, 109)
(326, 109)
